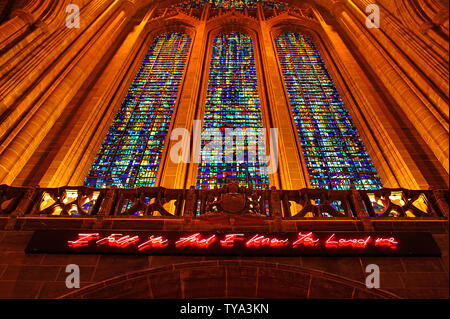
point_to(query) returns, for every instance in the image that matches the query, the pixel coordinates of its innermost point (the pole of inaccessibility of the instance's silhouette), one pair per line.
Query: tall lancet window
(232, 104)
(131, 153)
(333, 150)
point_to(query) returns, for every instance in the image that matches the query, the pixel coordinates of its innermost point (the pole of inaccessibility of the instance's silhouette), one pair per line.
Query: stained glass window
(232, 102)
(237, 4)
(335, 155)
(131, 153)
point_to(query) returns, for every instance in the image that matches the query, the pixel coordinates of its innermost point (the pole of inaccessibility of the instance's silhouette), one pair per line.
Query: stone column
(28, 55)
(87, 128)
(413, 103)
(292, 171)
(48, 107)
(427, 71)
(379, 129)
(175, 174)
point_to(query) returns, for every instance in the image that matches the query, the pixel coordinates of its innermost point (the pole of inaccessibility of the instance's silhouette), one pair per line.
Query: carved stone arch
(229, 279)
(233, 17)
(287, 20)
(158, 27)
(288, 24)
(422, 15)
(180, 18)
(214, 31)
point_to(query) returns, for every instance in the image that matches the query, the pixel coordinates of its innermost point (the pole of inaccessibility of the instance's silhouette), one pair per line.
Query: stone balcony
(230, 207)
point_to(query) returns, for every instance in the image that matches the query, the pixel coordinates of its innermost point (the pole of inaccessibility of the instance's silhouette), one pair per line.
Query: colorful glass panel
(232, 103)
(335, 155)
(237, 4)
(131, 153)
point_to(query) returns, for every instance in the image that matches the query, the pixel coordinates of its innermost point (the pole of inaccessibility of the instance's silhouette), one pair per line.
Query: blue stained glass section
(130, 155)
(233, 103)
(335, 155)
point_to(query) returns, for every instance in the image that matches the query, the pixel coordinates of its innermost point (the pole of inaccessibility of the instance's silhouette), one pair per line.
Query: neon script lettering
(232, 240)
(353, 242)
(262, 241)
(154, 242)
(195, 241)
(305, 240)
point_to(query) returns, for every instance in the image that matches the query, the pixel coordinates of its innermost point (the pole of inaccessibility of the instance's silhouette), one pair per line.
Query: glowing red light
(195, 241)
(386, 242)
(154, 242)
(305, 240)
(352, 242)
(83, 240)
(263, 241)
(230, 239)
(118, 240)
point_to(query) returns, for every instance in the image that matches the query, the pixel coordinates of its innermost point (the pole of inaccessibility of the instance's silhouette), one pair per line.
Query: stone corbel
(425, 27)
(337, 7)
(440, 18)
(129, 6)
(24, 15)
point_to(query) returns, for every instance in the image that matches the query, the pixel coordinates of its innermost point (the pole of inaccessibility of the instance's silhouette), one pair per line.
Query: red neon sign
(229, 243)
(263, 241)
(154, 242)
(196, 241)
(386, 242)
(83, 240)
(230, 240)
(352, 242)
(118, 240)
(306, 240)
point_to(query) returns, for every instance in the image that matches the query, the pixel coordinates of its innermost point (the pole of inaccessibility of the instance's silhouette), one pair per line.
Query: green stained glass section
(335, 155)
(130, 155)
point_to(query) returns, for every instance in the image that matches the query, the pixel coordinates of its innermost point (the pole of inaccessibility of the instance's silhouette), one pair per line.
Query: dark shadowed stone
(26, 289)
(137, 286)
(344, 266)
(165, 285)
(241, 281)
(327, 289)
(27, 272)
(364, 294)
(113, 265)
(57, 288)
(386, 264)
(273, 283)
(204, 283)
(19, 258)
(425, 280)
(15, 240)
(422, 264)
(157, 261)
(428, 293)
(66, 259)
(390, 280)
